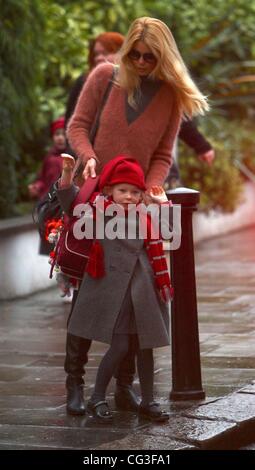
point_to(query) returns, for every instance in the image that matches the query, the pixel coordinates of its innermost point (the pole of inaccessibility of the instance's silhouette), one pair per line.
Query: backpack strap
(88, 188)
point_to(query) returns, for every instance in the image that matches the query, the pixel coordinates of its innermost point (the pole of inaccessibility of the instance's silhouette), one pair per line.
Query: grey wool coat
(99, 301)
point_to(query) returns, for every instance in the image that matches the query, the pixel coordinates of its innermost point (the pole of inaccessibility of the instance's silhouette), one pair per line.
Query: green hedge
(221, 184)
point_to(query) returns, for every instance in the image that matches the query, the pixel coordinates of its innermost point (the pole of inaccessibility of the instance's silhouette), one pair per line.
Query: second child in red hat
(124, 295)
(52, 163)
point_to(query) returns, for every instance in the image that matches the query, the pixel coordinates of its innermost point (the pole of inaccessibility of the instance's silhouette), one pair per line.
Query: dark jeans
(77, 349)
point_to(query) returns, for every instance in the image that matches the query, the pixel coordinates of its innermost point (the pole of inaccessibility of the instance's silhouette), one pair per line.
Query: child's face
(59, 139)
(125, 193)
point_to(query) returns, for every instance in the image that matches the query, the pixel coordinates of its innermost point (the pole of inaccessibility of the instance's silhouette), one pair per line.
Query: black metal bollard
(186, 367)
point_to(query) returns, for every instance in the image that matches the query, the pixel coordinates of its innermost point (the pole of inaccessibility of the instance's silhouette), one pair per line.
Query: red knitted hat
(57, 124)
(122, 169)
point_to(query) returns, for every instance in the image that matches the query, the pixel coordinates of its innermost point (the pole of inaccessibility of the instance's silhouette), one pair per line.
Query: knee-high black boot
(125, 396)
(76, 358)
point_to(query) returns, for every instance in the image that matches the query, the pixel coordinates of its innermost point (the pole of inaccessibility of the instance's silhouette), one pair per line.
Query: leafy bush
(221, 184)
(19, 59)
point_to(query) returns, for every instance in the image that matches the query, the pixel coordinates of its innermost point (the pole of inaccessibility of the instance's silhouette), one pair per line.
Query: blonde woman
(152, 92)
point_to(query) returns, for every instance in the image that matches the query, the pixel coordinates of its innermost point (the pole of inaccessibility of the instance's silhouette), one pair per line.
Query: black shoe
(75, 401)
(100, 411)
(153, 412)
(126, 398)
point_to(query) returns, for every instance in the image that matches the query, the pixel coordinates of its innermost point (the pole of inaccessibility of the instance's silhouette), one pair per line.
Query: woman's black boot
(76, 358)
(75, 404)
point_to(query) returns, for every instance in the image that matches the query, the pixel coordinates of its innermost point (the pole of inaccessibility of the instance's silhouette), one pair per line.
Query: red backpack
(71, 255)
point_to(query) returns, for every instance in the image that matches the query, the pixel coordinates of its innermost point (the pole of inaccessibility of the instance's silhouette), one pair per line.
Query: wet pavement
(32, 391)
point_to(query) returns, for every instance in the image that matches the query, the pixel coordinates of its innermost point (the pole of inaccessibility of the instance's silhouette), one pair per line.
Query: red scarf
(157, 258)
(154, 249)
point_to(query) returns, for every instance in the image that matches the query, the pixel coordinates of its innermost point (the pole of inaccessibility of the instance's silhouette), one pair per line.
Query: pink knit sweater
(149, 138)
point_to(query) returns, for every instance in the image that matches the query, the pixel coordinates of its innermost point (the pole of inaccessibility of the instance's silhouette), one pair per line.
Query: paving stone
(30, 402)
(32, 389)
(143, 441)
(237, 407)
(38, 346)
(44, 374)
(231, 350)
(13, 374)
(249, 389)
(214, 328)
(56, 437)
(223, 362)
(57, 417)
(238, 377)
(196, 431)
(218, 390)
(17, 359)
(48, 361)
(12, 447)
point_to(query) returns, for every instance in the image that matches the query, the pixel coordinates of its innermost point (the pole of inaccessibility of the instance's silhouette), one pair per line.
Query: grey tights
(110, 362)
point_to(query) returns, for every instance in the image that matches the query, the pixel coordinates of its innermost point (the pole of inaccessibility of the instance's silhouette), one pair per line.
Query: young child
(120, 294)
(52, 163)
(49, 174)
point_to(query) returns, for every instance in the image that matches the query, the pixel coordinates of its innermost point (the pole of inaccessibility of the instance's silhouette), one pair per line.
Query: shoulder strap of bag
(79, 166)
(101, 107)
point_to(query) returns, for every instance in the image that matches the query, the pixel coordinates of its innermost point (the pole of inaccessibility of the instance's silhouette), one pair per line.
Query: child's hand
(67, 163)
(67, 170)
(158, 194)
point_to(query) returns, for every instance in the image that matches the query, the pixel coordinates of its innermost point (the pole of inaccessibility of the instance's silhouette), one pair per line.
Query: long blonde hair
(170, 67)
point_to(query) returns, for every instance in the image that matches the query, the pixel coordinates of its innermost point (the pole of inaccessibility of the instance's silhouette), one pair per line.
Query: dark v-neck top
(143, 96)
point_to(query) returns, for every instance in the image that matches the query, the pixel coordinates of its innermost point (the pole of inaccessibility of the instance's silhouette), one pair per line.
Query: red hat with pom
(122, 169)
(57, 124)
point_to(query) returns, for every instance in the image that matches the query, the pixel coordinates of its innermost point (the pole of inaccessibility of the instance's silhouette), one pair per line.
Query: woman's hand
(90, 168)
(158, 194)
(207, 157)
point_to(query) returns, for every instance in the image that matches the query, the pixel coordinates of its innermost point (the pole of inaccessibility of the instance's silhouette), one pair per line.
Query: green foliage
(216, 40)
(220, 184)
(245, 149)
(70, 25)
(18, 77)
